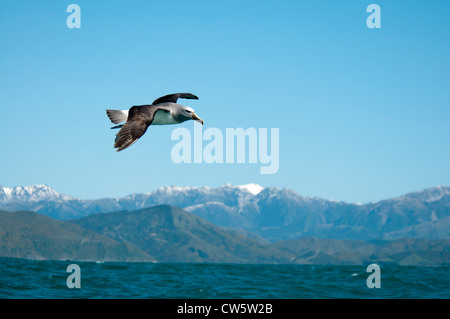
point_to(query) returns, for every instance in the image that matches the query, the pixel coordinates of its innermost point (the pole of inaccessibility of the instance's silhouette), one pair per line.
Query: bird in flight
(163, 111)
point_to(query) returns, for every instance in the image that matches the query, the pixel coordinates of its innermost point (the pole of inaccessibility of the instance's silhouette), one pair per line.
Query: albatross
(162, 111)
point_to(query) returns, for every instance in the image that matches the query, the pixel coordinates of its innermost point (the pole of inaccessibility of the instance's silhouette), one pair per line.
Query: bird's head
(186, 113)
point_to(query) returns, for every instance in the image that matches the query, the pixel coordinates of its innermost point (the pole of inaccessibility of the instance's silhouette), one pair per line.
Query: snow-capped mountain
(426, 195)
(272, 213)
(34, 193)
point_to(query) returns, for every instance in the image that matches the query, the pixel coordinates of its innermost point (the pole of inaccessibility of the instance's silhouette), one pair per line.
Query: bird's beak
(196, 118)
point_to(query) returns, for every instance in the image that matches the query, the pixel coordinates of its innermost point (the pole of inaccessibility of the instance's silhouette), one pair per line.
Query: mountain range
(170, 234)
(271, 214)
(33, 236)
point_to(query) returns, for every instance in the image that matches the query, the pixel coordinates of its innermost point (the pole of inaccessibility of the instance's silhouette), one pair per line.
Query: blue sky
(363, 114)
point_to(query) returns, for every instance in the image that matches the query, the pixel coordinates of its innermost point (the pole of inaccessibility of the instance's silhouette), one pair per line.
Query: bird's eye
(188, 111)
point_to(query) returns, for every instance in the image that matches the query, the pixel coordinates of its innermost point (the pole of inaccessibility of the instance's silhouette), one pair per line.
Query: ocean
(31, 279)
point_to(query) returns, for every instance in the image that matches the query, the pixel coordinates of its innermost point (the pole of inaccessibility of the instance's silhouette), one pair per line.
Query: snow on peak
(437, 193)
(255, 189)
(174, 189)
(252, 188)
(31, 193)
(426, 195)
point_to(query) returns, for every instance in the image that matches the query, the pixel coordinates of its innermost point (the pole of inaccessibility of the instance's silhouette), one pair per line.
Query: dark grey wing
(129, 134)
(139, 119)
(174, 97)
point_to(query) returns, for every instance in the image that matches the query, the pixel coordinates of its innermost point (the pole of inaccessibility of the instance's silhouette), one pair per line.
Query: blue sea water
(21, 278)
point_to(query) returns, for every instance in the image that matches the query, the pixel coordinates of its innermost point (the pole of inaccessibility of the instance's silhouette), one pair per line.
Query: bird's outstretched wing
(174, 97)
(129, 134)
(139, 119)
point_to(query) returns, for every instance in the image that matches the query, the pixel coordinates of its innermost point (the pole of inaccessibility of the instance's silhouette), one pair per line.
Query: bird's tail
(117, 116)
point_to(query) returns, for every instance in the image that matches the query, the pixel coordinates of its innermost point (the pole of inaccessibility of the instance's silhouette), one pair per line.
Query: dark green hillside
(171, 234)
(34, 236)
(312, 250)
(406, 251)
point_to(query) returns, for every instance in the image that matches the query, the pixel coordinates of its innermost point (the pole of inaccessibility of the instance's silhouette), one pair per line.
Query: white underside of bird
(161, 117)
